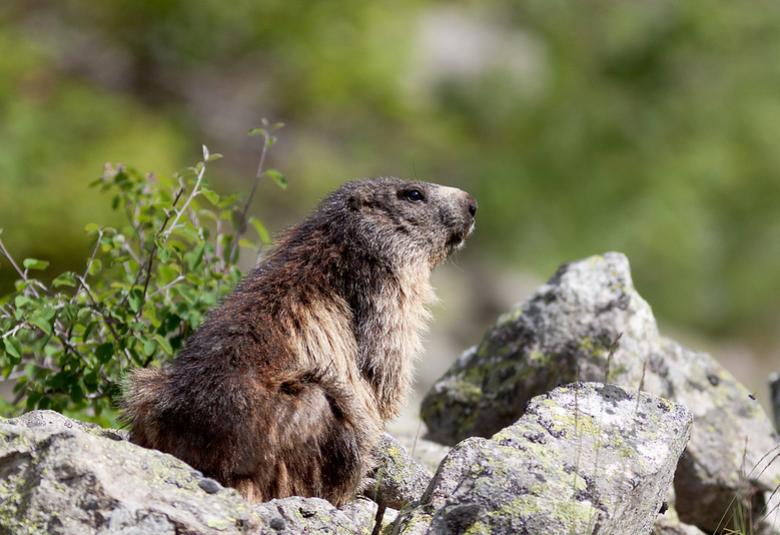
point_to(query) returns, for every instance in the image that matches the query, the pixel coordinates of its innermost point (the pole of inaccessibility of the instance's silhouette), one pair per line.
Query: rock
(664, 526)
(668, 521)
(585, 458)
(564, 333)
(314, 515)
(398, 480)
(774, 397)
(427, 452)
(61, 476)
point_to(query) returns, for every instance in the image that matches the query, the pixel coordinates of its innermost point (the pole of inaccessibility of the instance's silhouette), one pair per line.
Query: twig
(97, 308)
(22, 273)
(89, 264)
(612, 348)
(132, 253)
(147, 268)
(219, 246)
(169, 285)
(10, 259)
(193, 194)
(14, 330)
(640, 386)
(380, 514)
(242, 221)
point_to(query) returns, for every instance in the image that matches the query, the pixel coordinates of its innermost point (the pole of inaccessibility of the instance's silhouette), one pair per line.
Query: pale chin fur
(468, 233)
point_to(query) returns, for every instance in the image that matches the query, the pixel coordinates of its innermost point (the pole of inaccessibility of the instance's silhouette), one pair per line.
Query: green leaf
(135, 299)
(91, 227)
(13, 348)
(258, 132)
(164, 344)
(90, 380)
(20, 301)
(213, 157)
(95, 267)
(67, 278)
(262, 232)
(105, 352)
(76, 393)
(211, 195)
(277, 177)
(42, 323)
(148, 346)
(195, 257)
(35, 264)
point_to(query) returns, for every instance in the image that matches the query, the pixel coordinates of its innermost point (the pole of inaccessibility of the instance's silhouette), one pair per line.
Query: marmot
(285, 388)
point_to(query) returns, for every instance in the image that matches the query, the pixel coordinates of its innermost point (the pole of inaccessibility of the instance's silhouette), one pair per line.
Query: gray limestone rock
(564, 333)
(313, 515)
(62, 476)
(585, 458)
(398, 480)
(427, 452)
(664, 526)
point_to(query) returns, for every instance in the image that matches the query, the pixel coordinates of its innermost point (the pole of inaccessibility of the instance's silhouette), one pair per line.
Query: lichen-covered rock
(665, 526)
(61, 476)
(398, 480)
(585, 458)
(668, 521)
(313, 515)
(564, 333)
(426, 452)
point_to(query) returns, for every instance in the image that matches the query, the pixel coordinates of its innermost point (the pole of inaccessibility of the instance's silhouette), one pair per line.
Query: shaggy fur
(286, 386)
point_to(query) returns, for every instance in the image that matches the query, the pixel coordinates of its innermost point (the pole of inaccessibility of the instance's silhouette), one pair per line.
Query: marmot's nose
(471, 203)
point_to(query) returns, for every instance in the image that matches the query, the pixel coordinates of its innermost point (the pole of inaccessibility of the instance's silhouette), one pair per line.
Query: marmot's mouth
(457, 239)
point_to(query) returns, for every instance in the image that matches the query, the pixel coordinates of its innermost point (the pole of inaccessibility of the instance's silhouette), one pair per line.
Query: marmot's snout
(462, 224)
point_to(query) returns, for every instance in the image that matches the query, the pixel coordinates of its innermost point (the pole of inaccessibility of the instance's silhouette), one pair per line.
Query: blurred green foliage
(146, 285)
(646, 127)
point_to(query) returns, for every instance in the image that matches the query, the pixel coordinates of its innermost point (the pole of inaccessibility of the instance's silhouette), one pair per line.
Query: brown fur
(286, 386)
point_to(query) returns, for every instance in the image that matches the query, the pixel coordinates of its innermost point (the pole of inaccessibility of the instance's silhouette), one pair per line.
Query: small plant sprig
(146, 285)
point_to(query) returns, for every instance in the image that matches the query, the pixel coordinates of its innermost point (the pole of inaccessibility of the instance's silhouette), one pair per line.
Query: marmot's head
(408, 221)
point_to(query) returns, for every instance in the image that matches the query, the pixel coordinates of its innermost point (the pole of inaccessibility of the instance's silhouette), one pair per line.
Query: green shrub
(144, 288)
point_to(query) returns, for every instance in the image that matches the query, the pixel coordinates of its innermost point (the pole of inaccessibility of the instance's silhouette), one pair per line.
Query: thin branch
(16, 329)
(219, 246)
(164, 237)
(89, 264)
(147, 268)
(132, 253)
(22, 273)
(97, 308)
(193, 194)
(168, 286)
(242, 221)
(10, 259)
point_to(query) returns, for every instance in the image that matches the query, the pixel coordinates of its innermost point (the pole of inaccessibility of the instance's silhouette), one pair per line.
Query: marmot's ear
(356, 201)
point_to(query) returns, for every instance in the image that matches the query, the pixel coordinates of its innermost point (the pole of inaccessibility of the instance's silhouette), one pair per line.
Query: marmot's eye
(413, 195)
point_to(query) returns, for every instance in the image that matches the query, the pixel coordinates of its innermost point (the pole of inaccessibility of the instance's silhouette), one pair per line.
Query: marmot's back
(286, 386)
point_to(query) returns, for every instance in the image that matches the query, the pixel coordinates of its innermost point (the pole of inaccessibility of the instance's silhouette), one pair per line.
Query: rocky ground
(572, 416)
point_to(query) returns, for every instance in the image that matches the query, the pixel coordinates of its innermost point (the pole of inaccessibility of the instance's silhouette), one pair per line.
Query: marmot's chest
(405, 315)
(376, 350)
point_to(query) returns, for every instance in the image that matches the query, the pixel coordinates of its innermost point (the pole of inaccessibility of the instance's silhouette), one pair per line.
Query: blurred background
(651, 128)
